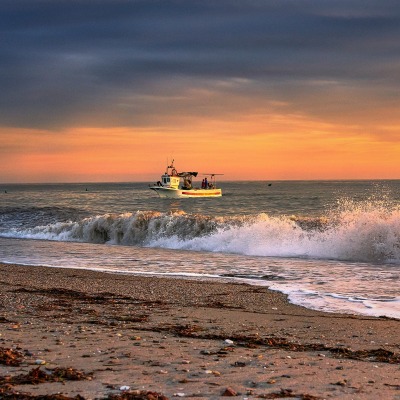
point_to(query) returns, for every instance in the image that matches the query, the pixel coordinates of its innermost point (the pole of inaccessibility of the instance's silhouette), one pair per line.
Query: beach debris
(124, 388)
(40, 362)
(220, 352)
(10, 357)
(341, 383)
(228, 341)
(70, 374)
(137, 395)
(212, 372)
(34, 377)
(11, 395)
(163, 372)
(229, 392)
(179, 394)
(287, 393)
(373, 355)
(226, 350)
(132, 318)
(68, 294)
(239, 364)
(186, 330)
(38, 375)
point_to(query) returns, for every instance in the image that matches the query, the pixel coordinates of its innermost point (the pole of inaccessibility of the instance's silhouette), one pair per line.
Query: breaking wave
(356, 231)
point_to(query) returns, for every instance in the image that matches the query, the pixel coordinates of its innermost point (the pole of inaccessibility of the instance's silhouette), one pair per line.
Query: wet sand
(71, 332)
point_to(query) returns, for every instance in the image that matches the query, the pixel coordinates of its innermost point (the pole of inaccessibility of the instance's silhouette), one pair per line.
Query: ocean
(329, 245)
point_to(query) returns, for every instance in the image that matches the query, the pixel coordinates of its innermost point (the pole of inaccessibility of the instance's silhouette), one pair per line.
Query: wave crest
(138, 228)
(355, 231)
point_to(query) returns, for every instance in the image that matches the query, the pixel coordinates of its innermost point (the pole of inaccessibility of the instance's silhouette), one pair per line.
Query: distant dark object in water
(86, 189)
(269, 184)
(5, 191)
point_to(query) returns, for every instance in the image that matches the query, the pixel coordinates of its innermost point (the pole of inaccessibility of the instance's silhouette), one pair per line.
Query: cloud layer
(140, 63)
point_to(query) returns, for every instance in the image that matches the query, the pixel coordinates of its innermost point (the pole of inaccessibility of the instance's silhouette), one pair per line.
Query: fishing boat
(174, 184)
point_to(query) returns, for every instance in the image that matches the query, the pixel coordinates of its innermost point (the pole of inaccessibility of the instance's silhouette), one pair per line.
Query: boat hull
(184, 193)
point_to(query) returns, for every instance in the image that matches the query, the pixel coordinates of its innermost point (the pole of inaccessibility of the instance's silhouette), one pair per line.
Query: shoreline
(185, 337)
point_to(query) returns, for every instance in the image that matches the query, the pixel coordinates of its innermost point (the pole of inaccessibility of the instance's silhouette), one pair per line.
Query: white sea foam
(364, 232)
(355, 233)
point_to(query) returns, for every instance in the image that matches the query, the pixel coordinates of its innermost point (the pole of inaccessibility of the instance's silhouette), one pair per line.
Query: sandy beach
(82, 334)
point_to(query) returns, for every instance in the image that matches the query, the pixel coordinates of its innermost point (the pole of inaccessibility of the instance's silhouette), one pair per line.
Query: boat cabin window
(165, 180)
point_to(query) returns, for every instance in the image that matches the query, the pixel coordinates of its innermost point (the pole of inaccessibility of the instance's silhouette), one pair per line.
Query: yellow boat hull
(172, 193)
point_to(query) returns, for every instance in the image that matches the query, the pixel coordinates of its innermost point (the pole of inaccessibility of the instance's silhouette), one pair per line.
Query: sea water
(329, 245)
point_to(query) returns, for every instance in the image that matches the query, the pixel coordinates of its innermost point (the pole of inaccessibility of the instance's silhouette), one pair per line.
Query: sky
(256, 90)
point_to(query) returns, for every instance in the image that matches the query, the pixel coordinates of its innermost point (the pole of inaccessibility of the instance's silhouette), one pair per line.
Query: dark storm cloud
(68, 61)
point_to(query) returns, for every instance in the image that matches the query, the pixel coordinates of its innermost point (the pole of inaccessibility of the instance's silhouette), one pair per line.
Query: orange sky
(252, 147)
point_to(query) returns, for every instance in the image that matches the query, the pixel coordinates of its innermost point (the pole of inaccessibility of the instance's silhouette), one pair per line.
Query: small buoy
(5, 191)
